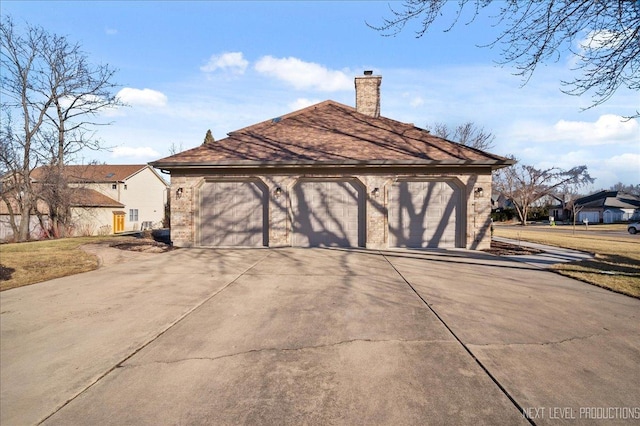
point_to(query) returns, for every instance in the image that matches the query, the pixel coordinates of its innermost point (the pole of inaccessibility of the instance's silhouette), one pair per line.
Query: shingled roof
(330, 133)
(86, 197)
(79, 197)
(603, 199)
(94, 173)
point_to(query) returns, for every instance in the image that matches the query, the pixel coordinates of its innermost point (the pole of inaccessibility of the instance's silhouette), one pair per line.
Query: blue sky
(185, 67)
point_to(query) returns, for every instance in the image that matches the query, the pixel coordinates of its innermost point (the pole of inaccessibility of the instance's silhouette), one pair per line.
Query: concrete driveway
(318, 336)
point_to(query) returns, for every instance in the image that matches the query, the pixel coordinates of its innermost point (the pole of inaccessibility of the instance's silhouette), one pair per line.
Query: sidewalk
(550, 256)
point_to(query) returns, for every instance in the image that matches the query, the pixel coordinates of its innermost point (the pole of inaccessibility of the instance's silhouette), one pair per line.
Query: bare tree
(20, 79)
(79, 91)
(629, 189)
(175, 148)
(601, 34)
(575, 209)
(567, 195)
(524, 185)
(49, 82)
(467, 134)
(9, 173)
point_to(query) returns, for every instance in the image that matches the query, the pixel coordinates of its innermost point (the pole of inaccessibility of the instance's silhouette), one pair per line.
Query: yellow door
(118, 222)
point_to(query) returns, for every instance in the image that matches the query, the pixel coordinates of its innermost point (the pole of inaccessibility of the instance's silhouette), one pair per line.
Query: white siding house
(107, 199)
(139, 188)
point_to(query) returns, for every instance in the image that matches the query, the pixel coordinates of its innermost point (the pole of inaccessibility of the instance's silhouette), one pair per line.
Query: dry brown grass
(616, 265)
(29, 263)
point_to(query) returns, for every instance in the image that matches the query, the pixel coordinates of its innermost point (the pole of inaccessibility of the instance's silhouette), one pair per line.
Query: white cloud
(565, 161)
(230, 61)
(142, 97)
(597, 40)
(618, 168)
(603, 38)
(302, 103)
(608, 129)
(140, 153)
(606, 170)
(110, 31)
(628, 162)
(85, 100)
(91, 102)
(304, 75)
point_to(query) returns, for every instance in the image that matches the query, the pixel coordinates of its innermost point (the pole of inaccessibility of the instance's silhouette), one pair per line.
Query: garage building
(332, 175)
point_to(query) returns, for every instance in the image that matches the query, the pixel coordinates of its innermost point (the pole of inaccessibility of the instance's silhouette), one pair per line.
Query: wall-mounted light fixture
(375, 193)
(478, 192)
(277, 192)
(179, 192)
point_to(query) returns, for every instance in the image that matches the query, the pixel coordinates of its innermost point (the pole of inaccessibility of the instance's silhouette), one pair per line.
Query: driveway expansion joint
(120, 364)
(464, 346)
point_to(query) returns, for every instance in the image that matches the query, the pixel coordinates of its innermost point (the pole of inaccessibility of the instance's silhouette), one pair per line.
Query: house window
(114, 186)
(133, 215)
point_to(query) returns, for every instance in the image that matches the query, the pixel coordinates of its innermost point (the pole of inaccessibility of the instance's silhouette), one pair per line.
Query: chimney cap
(368, 72)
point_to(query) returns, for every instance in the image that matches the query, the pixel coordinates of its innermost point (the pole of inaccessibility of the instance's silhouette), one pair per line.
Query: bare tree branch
(523, 185)
(49, 83)
(468, 134)
(603, 36)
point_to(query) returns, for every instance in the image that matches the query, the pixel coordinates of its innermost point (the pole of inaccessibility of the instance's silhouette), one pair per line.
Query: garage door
(233, 214)
(592, 217)
(424, 214)
(327, 213)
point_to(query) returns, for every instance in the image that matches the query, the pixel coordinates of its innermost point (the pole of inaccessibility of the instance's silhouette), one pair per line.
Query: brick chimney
(368, 94)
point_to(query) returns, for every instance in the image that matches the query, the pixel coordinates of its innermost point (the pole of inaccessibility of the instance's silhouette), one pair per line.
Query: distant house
(559, 212)
(500, 202)
(106, 199)
(608, 207)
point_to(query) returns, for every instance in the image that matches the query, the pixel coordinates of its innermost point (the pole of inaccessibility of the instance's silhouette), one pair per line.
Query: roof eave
(494, 164)
(95, 206)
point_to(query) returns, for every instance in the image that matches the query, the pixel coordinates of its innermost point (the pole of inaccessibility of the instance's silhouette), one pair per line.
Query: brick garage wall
(477, 235)
(183, 205)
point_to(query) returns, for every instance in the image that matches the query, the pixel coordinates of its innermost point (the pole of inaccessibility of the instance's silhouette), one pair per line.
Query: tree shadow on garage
(413, 228)
(233, 213)
(321, 217)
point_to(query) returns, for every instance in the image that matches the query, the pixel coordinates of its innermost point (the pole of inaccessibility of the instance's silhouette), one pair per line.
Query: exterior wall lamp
(277, 192)
(478, 192)
(179, 192)
(375, 193)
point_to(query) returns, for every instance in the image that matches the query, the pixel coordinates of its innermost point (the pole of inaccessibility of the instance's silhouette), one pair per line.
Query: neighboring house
(332, 175)
(559, 212)
(608, 207)
(95, 213)
(105, 199)
(499, 201)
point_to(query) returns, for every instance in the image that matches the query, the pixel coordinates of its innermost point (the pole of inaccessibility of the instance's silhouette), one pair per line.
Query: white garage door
(592, 217)
(424, 214)
(232, 214)
(327, 213)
